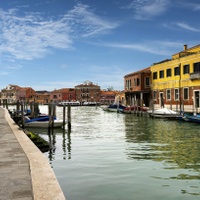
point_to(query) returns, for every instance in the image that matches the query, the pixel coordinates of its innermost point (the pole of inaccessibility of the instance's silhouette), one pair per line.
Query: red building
(137, 87)
(25, 93)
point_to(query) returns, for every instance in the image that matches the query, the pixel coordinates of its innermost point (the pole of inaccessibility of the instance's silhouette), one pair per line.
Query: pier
(25, 172)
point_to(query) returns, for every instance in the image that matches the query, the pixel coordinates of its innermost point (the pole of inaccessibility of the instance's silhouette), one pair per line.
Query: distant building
(9, 93)
(42, 97)
(107, 97)
(64, 94)
(25, 94)
(87, 92)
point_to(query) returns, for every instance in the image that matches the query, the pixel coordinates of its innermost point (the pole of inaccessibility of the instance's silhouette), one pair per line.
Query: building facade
(87, 92)
(25, 94)
(176, 82)
(137, 88)
(9, 93)
(64, 94)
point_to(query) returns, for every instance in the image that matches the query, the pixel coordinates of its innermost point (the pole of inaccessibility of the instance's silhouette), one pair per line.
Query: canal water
(111, 156)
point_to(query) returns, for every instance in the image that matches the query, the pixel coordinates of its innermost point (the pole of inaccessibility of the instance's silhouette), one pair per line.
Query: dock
(25, 173)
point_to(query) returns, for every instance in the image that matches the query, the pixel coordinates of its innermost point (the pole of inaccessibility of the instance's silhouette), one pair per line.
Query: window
(135, 82)
(186, 69)
(154, 95)
(155, 75)
(169, 72)
(176, 94)
(185, 93)
(196, 67)
(176, 71)
(162, 74)
(168, 94)
(138, 81)
(147, 81)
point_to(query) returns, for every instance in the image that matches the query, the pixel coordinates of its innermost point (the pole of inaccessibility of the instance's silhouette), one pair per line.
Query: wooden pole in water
(53, 114)
(69, 116)
(22, 114)
(64, 112)
(49, 113)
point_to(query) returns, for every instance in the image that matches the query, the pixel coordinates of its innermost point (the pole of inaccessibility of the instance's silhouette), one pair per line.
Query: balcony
(195, 76)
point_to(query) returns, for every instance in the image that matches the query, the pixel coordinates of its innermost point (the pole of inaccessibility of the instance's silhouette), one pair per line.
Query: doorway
(161, 99)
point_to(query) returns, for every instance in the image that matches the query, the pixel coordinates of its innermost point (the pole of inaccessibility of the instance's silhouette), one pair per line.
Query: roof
(146, 70)
(63, 90)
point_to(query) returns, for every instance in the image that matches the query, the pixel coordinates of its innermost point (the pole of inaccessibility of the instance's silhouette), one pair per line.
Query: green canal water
(110, 156)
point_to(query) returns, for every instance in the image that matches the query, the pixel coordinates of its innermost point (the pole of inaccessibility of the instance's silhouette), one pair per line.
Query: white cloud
(187, 27)
(4, 73)
(33, 36)
(146, 9)
(82, 18)
(181, 25)
(165, 48)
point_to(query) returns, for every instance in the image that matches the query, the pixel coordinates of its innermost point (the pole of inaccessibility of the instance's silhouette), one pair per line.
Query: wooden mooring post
(69, 117)
(64, 112)
(22, 114)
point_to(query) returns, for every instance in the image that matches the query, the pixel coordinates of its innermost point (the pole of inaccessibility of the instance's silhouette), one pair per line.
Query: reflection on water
(172, 142)
(118, 156)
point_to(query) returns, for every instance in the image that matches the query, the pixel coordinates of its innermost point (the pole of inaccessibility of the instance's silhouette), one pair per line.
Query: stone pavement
(15, 178)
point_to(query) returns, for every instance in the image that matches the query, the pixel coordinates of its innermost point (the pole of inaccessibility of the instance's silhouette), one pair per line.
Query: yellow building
(176, 82)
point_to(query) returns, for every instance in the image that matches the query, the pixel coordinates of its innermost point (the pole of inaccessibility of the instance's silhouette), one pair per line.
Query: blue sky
(52, 44)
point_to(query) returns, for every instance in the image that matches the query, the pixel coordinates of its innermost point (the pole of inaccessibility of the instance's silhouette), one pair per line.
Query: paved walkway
(15, 179)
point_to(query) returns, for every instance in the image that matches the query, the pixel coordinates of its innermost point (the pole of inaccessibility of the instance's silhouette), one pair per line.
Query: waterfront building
(107, 97)
(137, 88)
(175, 82)
(25, 94)
(87, 92)
(42, 97)
(64, 94)
(9, 93)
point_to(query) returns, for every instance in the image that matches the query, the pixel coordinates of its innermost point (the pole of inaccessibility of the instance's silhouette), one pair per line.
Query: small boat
(114, 108)
(164, 113)
(134, 109)
(71, 103)
(86, 103)
(192, 118)
(42, 122)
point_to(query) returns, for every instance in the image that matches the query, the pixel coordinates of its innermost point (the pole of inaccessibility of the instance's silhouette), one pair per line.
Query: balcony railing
(195, 76)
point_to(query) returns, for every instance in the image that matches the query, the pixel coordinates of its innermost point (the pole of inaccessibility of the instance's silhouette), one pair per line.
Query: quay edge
(44, 182)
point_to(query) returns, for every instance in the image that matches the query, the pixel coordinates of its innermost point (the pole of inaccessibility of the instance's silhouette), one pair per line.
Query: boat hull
(164, 113)
(44, 124)
(193, 118)
(113, 108)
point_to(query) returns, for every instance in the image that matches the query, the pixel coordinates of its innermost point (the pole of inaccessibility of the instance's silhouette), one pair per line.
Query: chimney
(185, 47)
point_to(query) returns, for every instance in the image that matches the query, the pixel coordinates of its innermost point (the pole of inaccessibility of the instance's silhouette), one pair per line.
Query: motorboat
(192, 118)
(114, 108)
(71, 103)
(42, 122)
(87, 103)
(164, 113)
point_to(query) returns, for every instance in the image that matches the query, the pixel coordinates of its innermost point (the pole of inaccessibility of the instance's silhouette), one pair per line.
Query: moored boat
(86, 103)
(41, 122)
(113, 108)
(164, 113)
(192, 118)
(71, 103)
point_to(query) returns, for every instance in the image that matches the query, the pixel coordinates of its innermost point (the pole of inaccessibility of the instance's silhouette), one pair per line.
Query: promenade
(25, 173)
